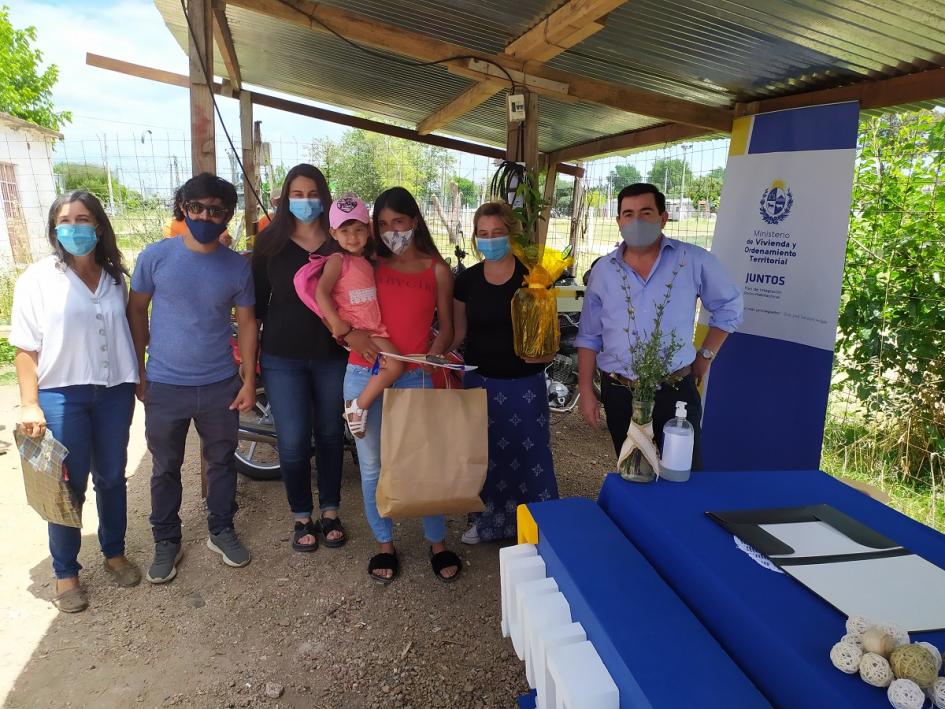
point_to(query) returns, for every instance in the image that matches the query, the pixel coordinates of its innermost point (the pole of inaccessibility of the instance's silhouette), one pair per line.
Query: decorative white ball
(875, 670)
(857, 624)
(846, 657)
(937, 693)
(853, 639)
(899, 635)
(935, 654)
(905, 694)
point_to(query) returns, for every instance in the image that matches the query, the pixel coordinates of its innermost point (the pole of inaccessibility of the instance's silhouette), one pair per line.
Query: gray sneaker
(167, 554)
(229, 547)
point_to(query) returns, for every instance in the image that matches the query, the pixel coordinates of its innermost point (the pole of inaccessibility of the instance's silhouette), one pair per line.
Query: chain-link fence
(886, 421)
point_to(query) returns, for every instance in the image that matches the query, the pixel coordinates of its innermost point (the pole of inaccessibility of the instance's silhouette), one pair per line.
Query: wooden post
(250, 171)
(531, 131)
(551, 180)
(202, 125)
(529, 144)
(577, 212)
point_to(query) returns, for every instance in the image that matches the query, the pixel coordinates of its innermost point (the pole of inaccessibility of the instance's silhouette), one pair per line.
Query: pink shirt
(355, 296)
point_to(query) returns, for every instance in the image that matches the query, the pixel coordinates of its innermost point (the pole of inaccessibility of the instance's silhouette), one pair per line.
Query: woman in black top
(303, 368)
(520, 465)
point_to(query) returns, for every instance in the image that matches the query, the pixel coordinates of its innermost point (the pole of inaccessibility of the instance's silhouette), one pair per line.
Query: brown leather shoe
(72, 601)
(125, 574)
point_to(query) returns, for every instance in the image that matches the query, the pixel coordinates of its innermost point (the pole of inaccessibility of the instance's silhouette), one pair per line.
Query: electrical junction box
(516, 107)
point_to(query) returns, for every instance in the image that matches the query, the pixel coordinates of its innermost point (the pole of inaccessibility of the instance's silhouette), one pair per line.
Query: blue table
(777, 631)
(654, 648)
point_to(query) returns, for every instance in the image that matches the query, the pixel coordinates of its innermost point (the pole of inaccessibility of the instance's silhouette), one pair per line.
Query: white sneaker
(470, 536)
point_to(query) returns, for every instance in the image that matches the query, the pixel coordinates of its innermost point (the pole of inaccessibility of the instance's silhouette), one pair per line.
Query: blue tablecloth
(657, 652)
(777, 631)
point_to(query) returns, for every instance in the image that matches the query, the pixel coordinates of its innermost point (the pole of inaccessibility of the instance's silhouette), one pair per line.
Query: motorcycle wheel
(256, 459)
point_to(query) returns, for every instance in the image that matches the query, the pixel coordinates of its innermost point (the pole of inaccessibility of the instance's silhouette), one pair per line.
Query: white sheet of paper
(814, 539)
(906, 590)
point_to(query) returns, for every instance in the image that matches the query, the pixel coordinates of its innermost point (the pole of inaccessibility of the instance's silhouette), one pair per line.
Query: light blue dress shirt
(606, 314)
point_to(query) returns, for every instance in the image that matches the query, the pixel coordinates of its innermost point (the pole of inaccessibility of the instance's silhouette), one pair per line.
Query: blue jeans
(369, 454)
(306, 399)
(93, 423)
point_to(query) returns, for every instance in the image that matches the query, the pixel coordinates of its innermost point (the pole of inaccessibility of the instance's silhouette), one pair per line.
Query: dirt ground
(289, 630)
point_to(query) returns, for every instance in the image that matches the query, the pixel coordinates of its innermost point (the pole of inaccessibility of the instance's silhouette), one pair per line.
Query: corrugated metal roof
(712, 52)
(722, 51)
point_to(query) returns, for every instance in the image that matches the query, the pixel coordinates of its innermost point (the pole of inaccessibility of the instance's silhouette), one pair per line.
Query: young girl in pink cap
(347, 296)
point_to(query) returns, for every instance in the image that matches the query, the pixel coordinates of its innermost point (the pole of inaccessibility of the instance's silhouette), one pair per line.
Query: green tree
(623, 175)
(368, 163)
(891, 328)
(25, 89)
(667, 174)
(94, 179)
(564, 197)
(706, 187)
(468, 189)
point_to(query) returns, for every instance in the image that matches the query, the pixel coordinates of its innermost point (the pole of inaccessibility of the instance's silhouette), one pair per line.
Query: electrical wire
(508, 170)
(390, 57)
(216, 107)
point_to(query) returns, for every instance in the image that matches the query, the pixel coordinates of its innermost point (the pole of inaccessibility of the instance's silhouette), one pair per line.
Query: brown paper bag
(46, 490)
(434, 452)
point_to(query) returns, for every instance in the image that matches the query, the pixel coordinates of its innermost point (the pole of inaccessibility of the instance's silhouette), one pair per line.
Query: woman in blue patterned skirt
(520, 465)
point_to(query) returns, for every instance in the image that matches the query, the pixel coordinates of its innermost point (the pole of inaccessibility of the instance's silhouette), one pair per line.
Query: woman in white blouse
(77, 371)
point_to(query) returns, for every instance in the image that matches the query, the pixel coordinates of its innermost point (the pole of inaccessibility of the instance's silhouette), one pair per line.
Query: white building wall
(32, 154)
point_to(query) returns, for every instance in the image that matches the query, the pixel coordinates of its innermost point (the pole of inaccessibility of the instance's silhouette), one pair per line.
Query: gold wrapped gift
(535, 309)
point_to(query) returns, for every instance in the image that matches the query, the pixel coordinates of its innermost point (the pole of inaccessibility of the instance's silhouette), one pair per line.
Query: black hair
(179, 204)
(106, 251)
(638, 188)
(206, 185)
(276, 235)
(401, 201)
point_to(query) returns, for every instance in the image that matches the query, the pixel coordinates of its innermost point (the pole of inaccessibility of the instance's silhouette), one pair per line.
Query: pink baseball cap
(347, 207)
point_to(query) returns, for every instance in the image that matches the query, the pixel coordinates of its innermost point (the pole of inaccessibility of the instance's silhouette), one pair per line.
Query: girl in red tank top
(413, 285)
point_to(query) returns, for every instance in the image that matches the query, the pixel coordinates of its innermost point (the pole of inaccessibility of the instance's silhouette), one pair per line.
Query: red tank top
(408, 303)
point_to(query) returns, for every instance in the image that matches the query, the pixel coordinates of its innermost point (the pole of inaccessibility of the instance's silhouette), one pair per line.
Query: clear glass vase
(636, 468)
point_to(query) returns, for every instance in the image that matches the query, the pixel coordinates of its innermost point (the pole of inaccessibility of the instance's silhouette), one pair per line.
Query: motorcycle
(257, 450)
(561, 374)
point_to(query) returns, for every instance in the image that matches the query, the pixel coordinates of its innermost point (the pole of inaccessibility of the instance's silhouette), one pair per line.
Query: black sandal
(303, 529)
(443, 560)
(333, 524)
(384, 562)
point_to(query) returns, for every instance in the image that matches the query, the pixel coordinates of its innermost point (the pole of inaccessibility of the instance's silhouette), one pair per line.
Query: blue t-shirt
(192, 295)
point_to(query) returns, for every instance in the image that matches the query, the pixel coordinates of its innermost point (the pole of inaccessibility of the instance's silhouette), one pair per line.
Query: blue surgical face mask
(77, 239)
(639, 234)
(305, 209)
(203, 230)
(493, 249)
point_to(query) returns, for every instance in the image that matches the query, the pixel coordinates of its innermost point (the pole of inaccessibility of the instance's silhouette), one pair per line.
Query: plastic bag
(534, 307)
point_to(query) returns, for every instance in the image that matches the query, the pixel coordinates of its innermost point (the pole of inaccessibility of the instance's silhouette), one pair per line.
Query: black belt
(674, 377)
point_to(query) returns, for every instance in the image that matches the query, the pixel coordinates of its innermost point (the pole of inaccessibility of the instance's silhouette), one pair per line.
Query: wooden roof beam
(414, 45)
(570, 24)
(302, 109)
(631, 140)
(224, 42)
(921, 86)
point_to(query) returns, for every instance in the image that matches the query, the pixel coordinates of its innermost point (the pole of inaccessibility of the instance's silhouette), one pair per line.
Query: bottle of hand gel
(678, 440)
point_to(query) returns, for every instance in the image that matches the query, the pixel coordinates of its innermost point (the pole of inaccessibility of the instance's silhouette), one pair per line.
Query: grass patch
(875, 453)
(7, 374)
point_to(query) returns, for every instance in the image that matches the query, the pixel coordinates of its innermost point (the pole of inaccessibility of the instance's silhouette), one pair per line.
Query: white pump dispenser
(678, 440)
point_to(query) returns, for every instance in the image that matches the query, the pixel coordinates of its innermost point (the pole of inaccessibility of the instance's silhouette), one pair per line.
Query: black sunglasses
(197, 208)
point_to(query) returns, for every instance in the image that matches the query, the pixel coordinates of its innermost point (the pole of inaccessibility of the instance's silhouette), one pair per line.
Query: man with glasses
(192, 283)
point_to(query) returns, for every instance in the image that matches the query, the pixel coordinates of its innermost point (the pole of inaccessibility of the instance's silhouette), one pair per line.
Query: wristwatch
(707, 354)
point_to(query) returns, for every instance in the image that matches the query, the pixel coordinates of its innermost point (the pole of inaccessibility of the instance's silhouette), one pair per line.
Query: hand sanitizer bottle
(678, 440)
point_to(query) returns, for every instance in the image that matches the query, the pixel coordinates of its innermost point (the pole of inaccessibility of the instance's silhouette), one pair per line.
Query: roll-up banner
(781, 234)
